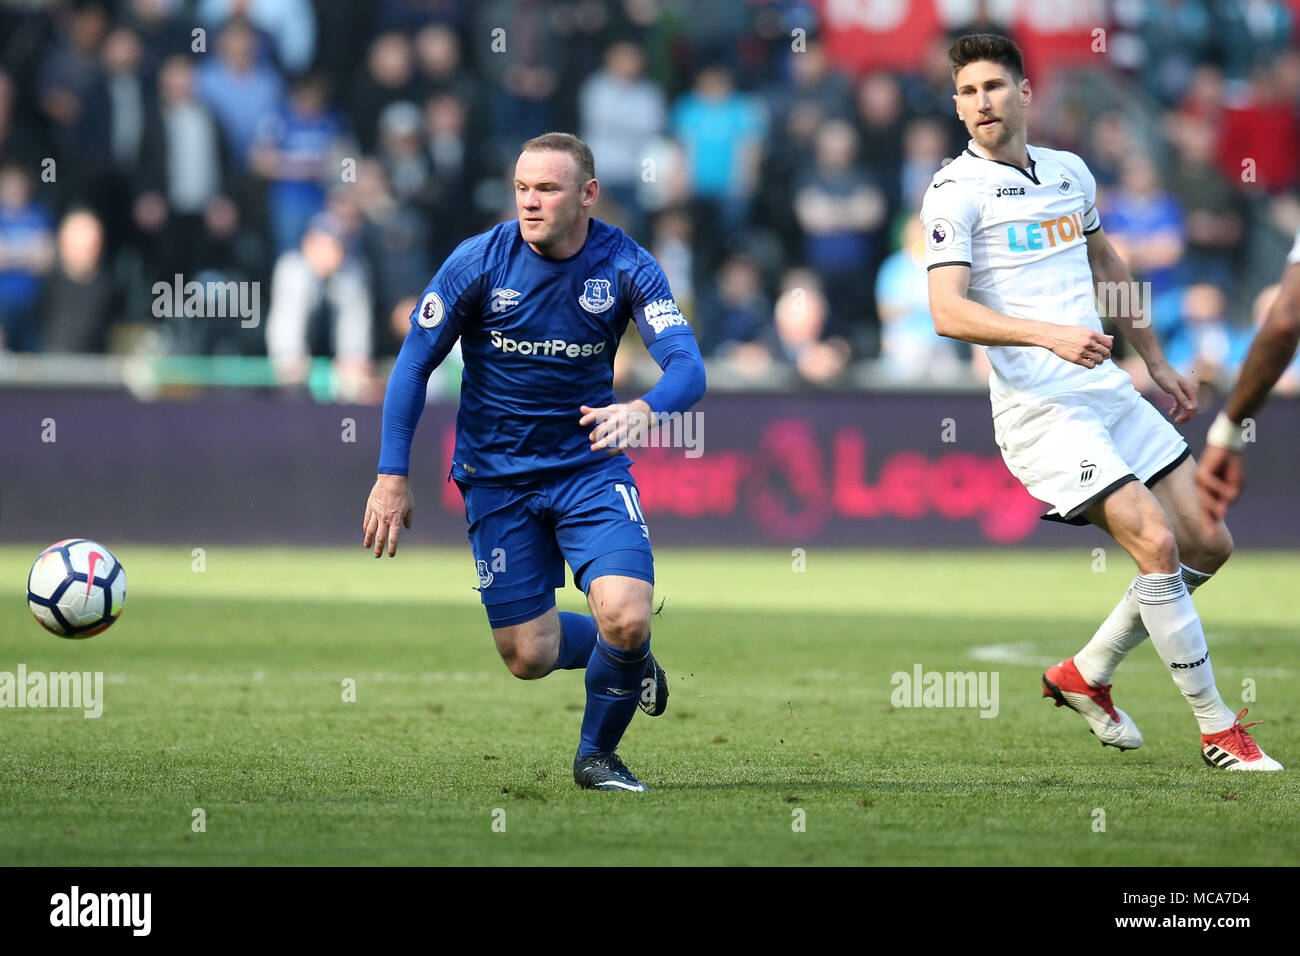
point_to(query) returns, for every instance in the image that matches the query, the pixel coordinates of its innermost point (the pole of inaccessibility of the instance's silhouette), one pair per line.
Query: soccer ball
(76, 588)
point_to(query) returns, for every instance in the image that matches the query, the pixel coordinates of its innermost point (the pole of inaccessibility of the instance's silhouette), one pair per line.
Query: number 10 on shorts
(632, 501)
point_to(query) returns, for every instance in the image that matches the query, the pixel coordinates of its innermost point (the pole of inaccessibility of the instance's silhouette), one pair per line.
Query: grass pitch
(225, 692)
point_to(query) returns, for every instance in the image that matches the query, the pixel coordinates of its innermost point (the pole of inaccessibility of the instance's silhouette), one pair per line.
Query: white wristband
(1225, 433)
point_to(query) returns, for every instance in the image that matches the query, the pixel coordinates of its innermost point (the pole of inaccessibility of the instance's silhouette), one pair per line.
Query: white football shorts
(1073, 450)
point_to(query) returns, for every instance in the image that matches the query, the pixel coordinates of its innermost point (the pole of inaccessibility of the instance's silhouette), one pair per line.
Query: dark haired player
(539, 305)
(1015, 251)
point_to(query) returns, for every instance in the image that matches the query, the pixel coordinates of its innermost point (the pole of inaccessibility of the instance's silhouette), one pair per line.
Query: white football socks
(1170, 618)
(1122, 631)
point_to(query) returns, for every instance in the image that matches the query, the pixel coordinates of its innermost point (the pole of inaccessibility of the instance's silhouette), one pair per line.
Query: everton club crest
(596, 297)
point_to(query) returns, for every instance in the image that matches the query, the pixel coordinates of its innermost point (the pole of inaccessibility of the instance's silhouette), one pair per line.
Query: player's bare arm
(957, 317)
(1109, 268)
(1270, 353)
(1221, 474)
(618, 426)
(388, 510)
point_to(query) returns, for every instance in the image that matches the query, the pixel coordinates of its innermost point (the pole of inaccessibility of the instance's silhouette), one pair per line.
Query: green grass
(224, 692)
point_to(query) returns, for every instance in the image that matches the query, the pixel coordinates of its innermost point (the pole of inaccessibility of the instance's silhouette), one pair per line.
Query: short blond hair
(566, 143)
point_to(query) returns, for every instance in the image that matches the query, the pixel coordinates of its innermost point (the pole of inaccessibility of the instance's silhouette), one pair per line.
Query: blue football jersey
(538, 337)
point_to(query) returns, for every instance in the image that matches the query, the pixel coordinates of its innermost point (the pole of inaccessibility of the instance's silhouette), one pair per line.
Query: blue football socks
(613, 690)
(577, 638)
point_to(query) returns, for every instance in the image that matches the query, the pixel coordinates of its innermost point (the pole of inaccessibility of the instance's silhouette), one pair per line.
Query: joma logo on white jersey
(663, 314)
(556, 347)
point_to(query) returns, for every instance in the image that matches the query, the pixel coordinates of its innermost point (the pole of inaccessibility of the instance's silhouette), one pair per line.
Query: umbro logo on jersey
(504, 299)
(1009, 191)
(1087, 473)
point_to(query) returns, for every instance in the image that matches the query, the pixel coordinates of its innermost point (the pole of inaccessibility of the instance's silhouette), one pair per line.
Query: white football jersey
(1022, 232)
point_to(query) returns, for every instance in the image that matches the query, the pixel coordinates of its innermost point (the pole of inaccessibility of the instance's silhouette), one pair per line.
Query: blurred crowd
(336, 152)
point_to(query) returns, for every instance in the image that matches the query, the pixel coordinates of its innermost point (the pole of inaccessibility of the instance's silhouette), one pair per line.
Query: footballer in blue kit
(539, 305)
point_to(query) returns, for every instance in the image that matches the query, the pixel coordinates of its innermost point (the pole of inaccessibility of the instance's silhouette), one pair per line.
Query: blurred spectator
(68, 81)
(1250, 33)
(910, 349)
(841, 212)
(1204, 98)
(456, 172)
(797, 336)
(1259, 141)
(811, 84)
(240, 91)
(79, 298)
(16, 143)
(621, 111)
(184, 177)
(123, 97)
(520, 58)
(297, 150)
(1111, 144)
(160, 28)
(413, 14)
(923, 153)
(389, 77)
(669, 187)
(721, 131)
(401, 151)
(440, 67)
(1214, 212)
(672, 248)
(1175, 36)
(291, 25)
(26, 252)
(1199, 342)
(880, 123)
(122, 104)
(395, 238)
(928, 95)
(784, 160)
(1145, 224)
(737, 316)
(320, 306)
(343, 32)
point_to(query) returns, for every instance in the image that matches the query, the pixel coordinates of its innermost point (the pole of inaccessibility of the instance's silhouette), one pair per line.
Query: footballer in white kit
(1016, 255)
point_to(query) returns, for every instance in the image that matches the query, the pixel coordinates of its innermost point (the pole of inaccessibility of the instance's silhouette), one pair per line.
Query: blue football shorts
(522, 536)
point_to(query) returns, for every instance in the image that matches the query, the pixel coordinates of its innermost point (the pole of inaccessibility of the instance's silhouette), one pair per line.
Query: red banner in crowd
(863, 35)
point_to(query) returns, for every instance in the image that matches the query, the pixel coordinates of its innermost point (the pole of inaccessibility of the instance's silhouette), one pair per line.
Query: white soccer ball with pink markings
(76, 588)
